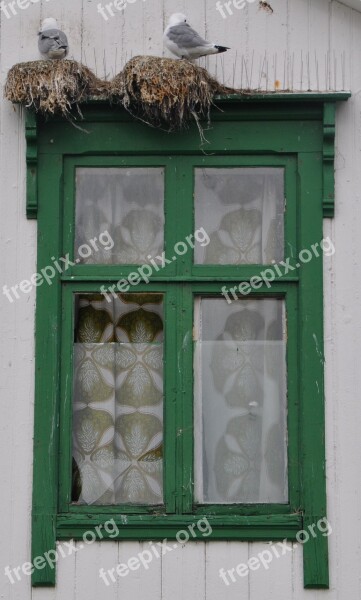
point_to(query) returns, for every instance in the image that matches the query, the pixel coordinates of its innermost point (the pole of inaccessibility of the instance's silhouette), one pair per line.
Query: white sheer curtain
(240, 402)
(126, 202)
(242, 210)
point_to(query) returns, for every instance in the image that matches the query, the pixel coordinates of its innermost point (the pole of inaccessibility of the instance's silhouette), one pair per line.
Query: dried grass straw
(52, 87)
(162, 92)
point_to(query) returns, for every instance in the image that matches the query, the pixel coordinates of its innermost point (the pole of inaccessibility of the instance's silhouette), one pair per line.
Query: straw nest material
(163, 92)
(52, 86)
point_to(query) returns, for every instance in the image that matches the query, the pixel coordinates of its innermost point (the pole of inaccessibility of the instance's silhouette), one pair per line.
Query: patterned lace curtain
(126, 202)
(240, 372)
(242, 210)
(118, 400)
(240, 402)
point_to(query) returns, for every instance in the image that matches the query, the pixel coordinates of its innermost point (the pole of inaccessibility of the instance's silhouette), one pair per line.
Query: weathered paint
(192, 571)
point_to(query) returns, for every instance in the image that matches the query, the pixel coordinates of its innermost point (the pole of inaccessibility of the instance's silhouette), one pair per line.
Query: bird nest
(52, 86)
(163, 92)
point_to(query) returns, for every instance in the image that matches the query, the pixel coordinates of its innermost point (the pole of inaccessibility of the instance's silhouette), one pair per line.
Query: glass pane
(118, 400)
(128, 204)
(240, 402)
(242, 211)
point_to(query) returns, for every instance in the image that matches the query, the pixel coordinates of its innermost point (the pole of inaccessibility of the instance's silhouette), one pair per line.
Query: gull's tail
(222, 49)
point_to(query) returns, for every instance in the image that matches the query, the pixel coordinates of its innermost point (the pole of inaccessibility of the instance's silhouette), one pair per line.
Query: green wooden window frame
(295, 132)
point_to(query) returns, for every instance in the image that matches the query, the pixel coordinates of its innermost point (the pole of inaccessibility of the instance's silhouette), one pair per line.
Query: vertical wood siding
(283, 46)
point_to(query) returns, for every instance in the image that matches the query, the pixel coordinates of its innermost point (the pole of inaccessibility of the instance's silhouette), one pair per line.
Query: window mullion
(171, 388)
(185, 433)
(185, 219)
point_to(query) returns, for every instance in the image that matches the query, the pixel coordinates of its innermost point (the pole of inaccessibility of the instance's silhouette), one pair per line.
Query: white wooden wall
(321, 27)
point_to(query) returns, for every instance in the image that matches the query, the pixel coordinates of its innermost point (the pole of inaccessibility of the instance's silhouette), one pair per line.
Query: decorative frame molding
(299, 124)
(329, 132)
(327, 100)
(31, 135)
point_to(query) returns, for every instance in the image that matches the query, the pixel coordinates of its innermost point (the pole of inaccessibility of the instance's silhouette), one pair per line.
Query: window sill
(152, 527)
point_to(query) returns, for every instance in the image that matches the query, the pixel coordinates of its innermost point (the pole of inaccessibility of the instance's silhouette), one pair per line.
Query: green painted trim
(235, 137)
(311, 373)
(240, 136)
(45, 472)
(285, 97)
(31, 136)
(158, 527)
(170, 212)
(260, 101)
(329, 132)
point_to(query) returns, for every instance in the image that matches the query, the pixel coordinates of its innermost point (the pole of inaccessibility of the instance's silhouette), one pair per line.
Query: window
(240, 402)
(179, 343)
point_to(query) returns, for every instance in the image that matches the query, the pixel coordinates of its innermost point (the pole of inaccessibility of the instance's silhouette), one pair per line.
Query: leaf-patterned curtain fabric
(240, 402)
(126, 202)
(242, 210)
(118, 400)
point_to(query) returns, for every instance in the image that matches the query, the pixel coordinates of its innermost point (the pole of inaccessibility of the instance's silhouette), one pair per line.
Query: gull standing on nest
(53, 43)
(185, 42)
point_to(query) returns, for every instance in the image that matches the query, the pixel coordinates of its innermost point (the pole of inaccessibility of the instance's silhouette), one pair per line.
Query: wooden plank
(87, 583)
(225, 137)
(343, 371)
(47, 368)
(298, 74)
(319, 42)
(341, 19)
(154, 25)
(141, 578)
(17, 261)
(258, 70)
(221, 557)
(102, 40)
(183, 572)
(272, 574)
(69, 17)
(108, 558)
(66, 574)
(330, 426)
(313, 492)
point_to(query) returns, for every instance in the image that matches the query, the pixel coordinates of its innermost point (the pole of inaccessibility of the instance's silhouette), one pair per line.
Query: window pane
(240, 396)
(128, 203)
(242, 211)
(118, 399)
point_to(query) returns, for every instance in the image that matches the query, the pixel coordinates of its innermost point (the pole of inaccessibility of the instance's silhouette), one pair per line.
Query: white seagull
(185, 42)
(53, 43)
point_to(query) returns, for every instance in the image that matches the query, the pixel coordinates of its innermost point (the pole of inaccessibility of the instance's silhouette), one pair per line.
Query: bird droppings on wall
(266, 6)
(162, 92)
